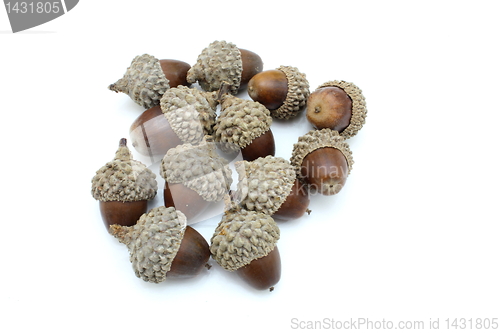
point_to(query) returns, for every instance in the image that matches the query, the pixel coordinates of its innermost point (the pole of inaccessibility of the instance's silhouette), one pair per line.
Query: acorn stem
(120, 232)
(223, 90)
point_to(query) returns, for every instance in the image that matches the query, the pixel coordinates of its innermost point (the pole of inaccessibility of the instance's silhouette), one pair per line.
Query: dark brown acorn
(123, 187)
(175, 71)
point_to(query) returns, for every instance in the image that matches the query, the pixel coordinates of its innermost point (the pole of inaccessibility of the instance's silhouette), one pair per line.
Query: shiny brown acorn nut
(162, 245)
(185, 115)
(223, 62)
(123, 187)
(244, 126)
(269, 185)
(245, 242)
(195, 176)
(175, 71)
(337, 105)
(322, 160)
(284, 91)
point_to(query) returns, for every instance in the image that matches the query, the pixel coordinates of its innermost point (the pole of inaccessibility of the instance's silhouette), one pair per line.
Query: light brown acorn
(162, 245)
(123, 187)
(337, 105)
(195, 176)
(284, 91)
(147, 78)
(245, 242)
(223, 62)
(185, 115)
(322, 160)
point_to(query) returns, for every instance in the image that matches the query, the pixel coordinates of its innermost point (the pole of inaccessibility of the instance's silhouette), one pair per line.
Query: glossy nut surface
(295, 205)
(326, 170)
(261, 146)
(184, 199)
(122, 213)
(262, 273)
(269, 88)
(252, 64)
(175, 71)
(329, 107)
(192, 256)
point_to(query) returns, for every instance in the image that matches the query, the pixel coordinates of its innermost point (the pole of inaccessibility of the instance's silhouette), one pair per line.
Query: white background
(413, 235)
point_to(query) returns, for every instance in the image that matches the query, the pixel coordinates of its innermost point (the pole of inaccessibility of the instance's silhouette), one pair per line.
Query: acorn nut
(269, 185)
(147, 78)
(123, 187)
(322, 160)
(162, 245)
(185, 115)
(195, 176)
(284, 91)
(245, 242)
(338, 105)
(244, 125)
(222, 62)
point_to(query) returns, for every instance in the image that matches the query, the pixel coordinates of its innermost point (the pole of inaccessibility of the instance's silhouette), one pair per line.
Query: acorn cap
(316, 139)
(153, 242)
(124, 179)
(199, 168)
(219, 62)
(239, 122)
(190, 112)
(264, 183)
(144, 81)
(298, 92)
(358, 106)
(243, 236)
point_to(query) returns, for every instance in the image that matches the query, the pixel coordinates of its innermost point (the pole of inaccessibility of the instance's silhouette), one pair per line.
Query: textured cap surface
(316, 139)
(264, 183)
(358, 106)
(240, 121)
(199, 168)
(190, 112)
(144, 81)
(124, 179)
(153, 242)
(298, 92)
(242, 236)
(219, 62)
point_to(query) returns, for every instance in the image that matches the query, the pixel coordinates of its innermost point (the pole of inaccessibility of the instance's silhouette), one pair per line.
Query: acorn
(123, 187)
(147, 78)
(338, 105)
(222, 62)
(284, 91)
(322, 160)
(185, 115)
(245, 242)
(162, 245)
(244, 125)
(269, 185)
(195, 176)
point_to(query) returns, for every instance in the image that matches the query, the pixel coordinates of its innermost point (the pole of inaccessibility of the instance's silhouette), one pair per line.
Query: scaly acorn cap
(242, 236)
(264, 183)
(199, 168)
(190, 112)
(240, 122)
(144, 81)
(298, 92)
(359, 110)
(316, 139)
(219, 62)
(124, 179)
(153, 242)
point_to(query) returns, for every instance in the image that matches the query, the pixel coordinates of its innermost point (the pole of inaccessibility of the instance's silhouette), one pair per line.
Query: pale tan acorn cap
(190, 112)
(240, 122)
(243, 236)
(359, 110)
(264, 183)
(199, 168)
(298, 92)
(124, 179)
(219, 62)
(144, 81)
(153, 242)
(316, 139)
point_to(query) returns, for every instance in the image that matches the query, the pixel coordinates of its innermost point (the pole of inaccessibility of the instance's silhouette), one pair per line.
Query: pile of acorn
(197, 132)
